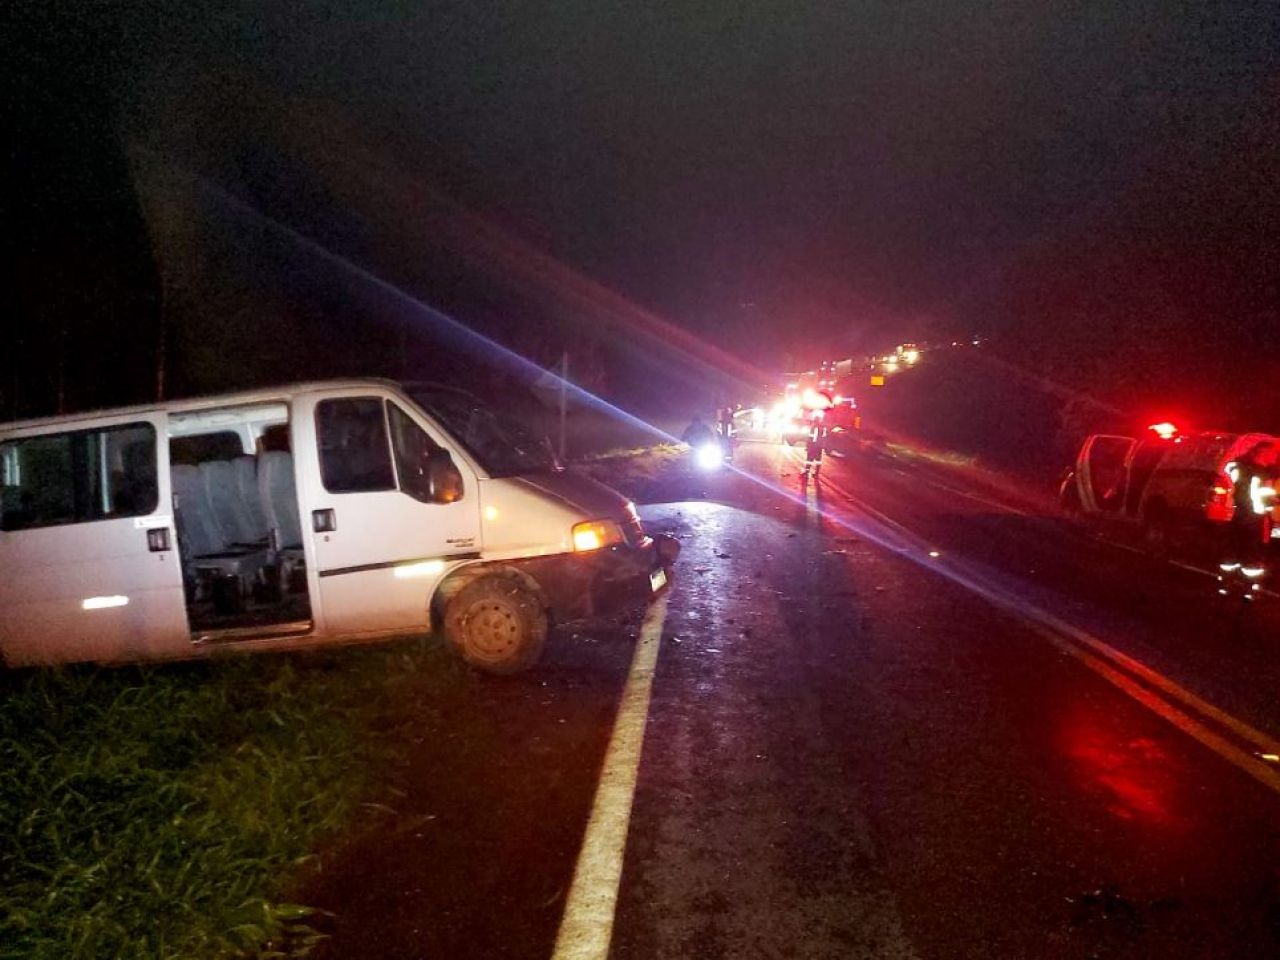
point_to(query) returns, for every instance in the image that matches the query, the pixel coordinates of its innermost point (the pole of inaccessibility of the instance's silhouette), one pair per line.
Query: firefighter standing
(815, 443)
(724, 427)
(1253, 479)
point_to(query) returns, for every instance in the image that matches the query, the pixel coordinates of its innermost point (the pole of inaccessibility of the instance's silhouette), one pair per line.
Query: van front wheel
(496, 624)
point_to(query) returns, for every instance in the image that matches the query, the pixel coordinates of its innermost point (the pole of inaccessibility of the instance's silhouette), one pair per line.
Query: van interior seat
(199, 535)
(246, 469)
(279, 498)
(230, 511)
(195, 525)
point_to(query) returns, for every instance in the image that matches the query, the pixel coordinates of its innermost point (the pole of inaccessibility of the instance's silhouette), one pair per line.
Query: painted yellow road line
(977, 498)
(1242, 759)
(587, 925)
(1095, 654)
(1244, 731)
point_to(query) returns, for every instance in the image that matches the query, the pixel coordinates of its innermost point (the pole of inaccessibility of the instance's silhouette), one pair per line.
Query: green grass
(161, 812)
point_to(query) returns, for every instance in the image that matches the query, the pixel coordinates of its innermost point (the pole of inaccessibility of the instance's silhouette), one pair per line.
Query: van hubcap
(494, 631)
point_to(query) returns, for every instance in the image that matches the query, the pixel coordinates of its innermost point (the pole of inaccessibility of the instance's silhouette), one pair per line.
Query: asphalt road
(890, 716)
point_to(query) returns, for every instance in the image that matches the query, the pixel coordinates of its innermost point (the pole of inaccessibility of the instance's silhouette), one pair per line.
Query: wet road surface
(856, 749)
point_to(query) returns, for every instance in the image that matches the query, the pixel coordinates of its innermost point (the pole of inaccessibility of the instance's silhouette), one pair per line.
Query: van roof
(256, 395)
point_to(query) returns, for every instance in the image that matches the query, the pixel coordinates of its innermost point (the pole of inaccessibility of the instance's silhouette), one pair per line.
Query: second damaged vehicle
(1173, 487)
(300, 516)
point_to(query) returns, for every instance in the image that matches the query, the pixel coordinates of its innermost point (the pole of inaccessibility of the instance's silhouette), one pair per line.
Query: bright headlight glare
(709, 456)
(594, 534)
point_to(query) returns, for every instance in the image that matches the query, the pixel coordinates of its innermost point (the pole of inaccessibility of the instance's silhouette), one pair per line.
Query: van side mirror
(444, 481)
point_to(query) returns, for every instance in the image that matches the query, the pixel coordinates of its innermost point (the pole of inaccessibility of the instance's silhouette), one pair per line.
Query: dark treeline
(170, 215)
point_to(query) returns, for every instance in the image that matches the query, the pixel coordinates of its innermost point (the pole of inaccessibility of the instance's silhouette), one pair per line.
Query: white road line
(587, 925)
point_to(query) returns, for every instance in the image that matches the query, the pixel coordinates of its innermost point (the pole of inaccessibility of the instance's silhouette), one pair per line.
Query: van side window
(224, 445)
(78, 477)
(414, 451)
(354, 454)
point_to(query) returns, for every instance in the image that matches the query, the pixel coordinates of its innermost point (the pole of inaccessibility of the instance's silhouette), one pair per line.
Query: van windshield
(502, 446)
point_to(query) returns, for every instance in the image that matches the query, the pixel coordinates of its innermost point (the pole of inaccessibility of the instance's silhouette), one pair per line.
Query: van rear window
(78, 477)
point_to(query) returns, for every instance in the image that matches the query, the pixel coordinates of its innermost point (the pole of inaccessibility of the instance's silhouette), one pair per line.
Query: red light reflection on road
(1130, 773)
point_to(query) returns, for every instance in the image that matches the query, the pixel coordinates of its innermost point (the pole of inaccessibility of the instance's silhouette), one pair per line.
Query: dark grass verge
(590, 433)
(161, 812)
(631, 471)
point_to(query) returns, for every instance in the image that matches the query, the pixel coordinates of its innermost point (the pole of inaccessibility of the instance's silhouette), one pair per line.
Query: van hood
(591, 497)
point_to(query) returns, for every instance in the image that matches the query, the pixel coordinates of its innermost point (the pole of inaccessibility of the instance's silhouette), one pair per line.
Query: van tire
(496, 624)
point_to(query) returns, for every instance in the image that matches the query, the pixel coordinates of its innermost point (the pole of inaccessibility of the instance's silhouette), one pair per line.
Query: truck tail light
(1220, 507)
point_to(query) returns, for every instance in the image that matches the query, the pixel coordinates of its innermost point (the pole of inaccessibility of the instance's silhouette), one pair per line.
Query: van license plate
(658, 579)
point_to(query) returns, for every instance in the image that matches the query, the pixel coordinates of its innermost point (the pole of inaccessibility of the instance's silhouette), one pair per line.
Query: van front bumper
(581, 586)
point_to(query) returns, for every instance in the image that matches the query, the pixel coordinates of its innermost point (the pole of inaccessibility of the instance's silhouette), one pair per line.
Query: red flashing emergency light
(1164, 430)
(816, 399)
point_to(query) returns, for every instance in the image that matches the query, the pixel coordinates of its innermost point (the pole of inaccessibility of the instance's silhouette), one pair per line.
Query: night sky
(781, 179)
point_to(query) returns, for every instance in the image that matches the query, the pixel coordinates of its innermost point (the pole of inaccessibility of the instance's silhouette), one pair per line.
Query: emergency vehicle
(790, 417)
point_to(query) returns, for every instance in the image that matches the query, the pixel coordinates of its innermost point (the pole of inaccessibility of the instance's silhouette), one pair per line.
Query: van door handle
(158, 540)
(324, 521)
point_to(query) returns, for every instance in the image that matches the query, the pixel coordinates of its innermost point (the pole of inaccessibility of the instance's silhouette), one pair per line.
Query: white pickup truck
(1167, 484)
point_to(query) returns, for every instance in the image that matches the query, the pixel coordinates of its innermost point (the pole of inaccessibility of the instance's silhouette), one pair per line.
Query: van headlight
(594, 534)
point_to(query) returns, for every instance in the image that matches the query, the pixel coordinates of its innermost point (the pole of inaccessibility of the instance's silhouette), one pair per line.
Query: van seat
(246, 469)
(230, 512)
(196, 529)
(200, 537)
(279, 498)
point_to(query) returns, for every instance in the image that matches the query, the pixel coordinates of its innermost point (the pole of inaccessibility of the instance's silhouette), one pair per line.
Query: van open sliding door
(88, 548)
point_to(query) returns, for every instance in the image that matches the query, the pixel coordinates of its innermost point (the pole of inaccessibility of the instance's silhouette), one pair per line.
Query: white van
(298, 516)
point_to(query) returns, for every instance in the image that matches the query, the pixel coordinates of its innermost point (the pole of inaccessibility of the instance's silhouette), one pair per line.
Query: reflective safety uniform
(1245, 561)
(815, 444)
(724, 427)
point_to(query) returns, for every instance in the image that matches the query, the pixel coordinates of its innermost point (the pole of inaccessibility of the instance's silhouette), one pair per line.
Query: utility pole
(19, 347)
(62, 365)
(564, 391)
(404, 348)
(160, 352)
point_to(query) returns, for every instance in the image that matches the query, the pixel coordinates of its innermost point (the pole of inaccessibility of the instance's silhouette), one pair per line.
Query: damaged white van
(299, 516)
